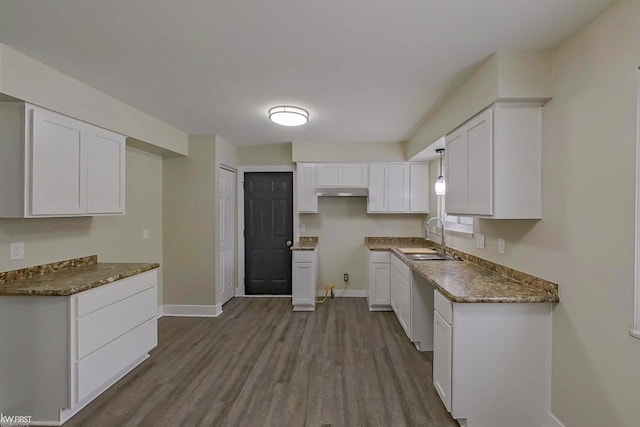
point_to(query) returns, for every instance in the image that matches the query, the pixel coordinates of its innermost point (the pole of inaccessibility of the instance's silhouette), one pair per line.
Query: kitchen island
(71, 329)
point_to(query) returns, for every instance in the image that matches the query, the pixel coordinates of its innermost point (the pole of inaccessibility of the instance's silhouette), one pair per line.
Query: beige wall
(29, 80)
(348, 152)
(112, 238)
(191, 219)
(585, 241)
(503, 76)
(189, 208)
(265, 155)
(341, 225)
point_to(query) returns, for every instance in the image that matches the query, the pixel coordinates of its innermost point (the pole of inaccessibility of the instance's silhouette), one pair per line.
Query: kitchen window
(635, 332)
(459, 224)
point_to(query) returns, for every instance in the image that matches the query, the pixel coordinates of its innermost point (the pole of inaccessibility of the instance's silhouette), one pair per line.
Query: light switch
(480, 241)
(303, 227)
(16, 251)
(501, 246)
(145, 234)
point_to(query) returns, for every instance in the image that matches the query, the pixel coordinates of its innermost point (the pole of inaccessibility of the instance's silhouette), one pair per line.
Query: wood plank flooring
(261, 364)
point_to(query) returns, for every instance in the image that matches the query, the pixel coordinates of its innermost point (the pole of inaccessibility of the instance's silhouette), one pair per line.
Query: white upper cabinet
(105, 172)
(419, 187)
(494, 163)
(58, 165)
(398, 188)
(306, 188)
(342, 175)
(53, 165)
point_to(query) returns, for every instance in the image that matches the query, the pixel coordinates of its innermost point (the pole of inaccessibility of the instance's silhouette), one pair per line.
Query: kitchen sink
(417, 251)
(433, 256)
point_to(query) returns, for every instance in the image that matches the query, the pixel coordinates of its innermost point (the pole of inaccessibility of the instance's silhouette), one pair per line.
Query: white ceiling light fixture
(441, 186)
(288, 115)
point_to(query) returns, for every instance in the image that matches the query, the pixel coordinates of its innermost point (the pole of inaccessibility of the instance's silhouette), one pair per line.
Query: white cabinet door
(398, 187)
(419, 187)
(442, 336)
(303, 284)
(306, 184)
(480, 155)
(457, 172)
(379, 283)
(342, 174)
(329, 174)
(404, 305)
(57, 165)
(377, 200)
(105, 172)
(394, 289)
(355, 175)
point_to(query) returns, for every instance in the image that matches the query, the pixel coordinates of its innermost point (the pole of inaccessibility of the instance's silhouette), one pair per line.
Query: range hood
(342, 191)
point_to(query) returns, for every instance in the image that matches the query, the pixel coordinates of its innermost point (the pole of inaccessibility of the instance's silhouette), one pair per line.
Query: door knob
(289, 243)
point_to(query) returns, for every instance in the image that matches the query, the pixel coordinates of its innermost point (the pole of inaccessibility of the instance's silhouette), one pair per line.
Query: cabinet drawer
(380, 256)
(402, 268)
(102, 365)
(95, 299)
(443, 306)
(103, 326)
(303, 256)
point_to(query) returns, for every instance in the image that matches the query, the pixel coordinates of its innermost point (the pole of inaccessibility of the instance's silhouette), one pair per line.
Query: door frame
(240, 194)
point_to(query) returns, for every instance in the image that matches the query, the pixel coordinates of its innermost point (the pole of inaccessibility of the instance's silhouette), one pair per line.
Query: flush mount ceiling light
(287, 115)
(441, 187)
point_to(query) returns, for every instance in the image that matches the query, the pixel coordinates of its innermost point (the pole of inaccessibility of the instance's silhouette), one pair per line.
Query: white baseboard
(352, 293)
(552, 421)
(190, 310)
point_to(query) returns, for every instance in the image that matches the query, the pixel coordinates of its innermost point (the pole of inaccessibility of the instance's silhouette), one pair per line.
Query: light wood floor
(260, 364)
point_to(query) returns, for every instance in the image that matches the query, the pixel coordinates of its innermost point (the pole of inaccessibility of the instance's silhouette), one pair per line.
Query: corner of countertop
(306, 243)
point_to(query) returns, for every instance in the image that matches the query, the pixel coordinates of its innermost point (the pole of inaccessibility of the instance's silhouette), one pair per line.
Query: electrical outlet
(145, 234)
(480, 241)
(16, 251)
(303, 227)
(501, 246)
(346, 277)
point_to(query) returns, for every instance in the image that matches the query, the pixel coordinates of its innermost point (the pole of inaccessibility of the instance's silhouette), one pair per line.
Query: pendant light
(441, 187)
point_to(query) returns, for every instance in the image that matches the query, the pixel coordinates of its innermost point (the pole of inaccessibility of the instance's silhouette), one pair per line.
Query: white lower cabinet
(492, 362)
(411, 300)
(379, 281)
(304, 280)
(442, 334)
(66, 351)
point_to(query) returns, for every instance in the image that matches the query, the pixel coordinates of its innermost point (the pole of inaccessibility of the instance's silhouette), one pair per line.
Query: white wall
(585, 241)
(112, 238)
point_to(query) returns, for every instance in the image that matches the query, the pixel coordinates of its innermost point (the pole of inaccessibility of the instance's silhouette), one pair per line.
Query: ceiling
(368, 71)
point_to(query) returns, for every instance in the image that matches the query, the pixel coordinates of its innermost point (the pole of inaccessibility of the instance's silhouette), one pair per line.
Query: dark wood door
(268, 231)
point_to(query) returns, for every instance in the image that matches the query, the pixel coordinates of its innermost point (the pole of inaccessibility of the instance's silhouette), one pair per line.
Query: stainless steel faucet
(426, 234)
